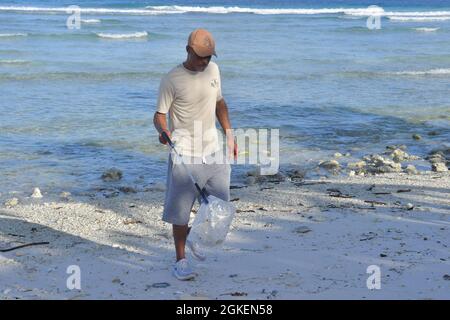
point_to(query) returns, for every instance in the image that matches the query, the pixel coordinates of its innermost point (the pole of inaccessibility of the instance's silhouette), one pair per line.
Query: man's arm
(224, 120)
(160, 122)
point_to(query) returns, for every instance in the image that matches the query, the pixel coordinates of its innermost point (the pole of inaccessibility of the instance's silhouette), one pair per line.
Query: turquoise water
(76, 102)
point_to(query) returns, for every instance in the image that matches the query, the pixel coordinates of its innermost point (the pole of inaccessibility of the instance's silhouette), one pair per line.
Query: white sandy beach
(309, 239)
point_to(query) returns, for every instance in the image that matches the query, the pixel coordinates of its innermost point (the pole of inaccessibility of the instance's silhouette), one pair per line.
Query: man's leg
(179, 235)
(219, 183)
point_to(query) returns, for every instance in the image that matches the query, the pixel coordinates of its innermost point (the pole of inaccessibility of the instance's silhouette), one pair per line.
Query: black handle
(202, 194)
(166, 137)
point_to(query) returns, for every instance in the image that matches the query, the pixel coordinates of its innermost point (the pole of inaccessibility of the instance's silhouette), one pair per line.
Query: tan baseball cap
(202, 42)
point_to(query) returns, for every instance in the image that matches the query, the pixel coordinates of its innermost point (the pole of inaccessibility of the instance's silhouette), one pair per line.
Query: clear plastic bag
(212, 222)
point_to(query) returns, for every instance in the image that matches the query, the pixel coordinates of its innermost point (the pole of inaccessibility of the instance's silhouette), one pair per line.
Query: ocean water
(74, 103)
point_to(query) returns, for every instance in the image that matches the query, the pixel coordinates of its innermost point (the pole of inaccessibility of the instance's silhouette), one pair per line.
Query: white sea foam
(421, 19)
(90, 21)
(154, 10)
(123, 35)
(12, 35)
(426, 29)
(442, 71)
(273, 11)
(82, 10)
(13, 62)
(366, 12)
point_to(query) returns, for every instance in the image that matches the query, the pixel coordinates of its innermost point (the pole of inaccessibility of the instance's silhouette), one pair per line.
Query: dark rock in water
(296, 175)
(446, 277)
(444, 151)
(44, 153)
(436, 159)
(416, 136)
(279, 177)
(250, 180)
(252, 173)
(433, 133)
(127, 189)
(393, 147)
(111, 194)
(112, 174)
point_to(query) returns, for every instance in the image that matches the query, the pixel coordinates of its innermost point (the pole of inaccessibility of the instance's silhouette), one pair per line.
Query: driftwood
(375, 202)
(237, 187)
(299, 184)
(23, 246)
(341, 195)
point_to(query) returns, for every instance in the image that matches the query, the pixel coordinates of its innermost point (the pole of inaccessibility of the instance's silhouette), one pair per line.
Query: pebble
(12, 202)
(410, 169)
(357, 165)
(160, 285)
(329, 165)
(439, 167)
(65, 194)
(36, 193)
(302, 229)
(399, 155)
(116, 280)
(416, 136)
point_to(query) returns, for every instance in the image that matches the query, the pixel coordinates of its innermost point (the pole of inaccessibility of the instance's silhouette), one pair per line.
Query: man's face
(199, 63)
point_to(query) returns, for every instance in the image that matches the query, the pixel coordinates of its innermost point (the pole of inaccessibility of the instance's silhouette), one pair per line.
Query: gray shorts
(181, 192)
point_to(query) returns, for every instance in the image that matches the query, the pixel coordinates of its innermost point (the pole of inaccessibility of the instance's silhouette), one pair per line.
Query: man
(191, 94)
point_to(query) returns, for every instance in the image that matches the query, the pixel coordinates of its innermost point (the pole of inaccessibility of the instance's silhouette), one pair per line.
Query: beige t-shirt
(190, 99)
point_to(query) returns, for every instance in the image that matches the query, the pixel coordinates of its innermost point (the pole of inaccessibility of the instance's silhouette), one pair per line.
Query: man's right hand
(161, 138)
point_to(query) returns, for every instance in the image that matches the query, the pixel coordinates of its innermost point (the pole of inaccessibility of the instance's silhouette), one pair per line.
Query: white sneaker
(182, 271)
(195, 250)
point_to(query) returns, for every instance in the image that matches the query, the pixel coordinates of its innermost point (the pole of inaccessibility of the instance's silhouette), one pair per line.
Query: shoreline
(303, 239)
(114, 182)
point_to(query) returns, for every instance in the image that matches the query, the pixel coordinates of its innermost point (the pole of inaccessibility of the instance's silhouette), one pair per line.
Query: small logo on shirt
(214, 83)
